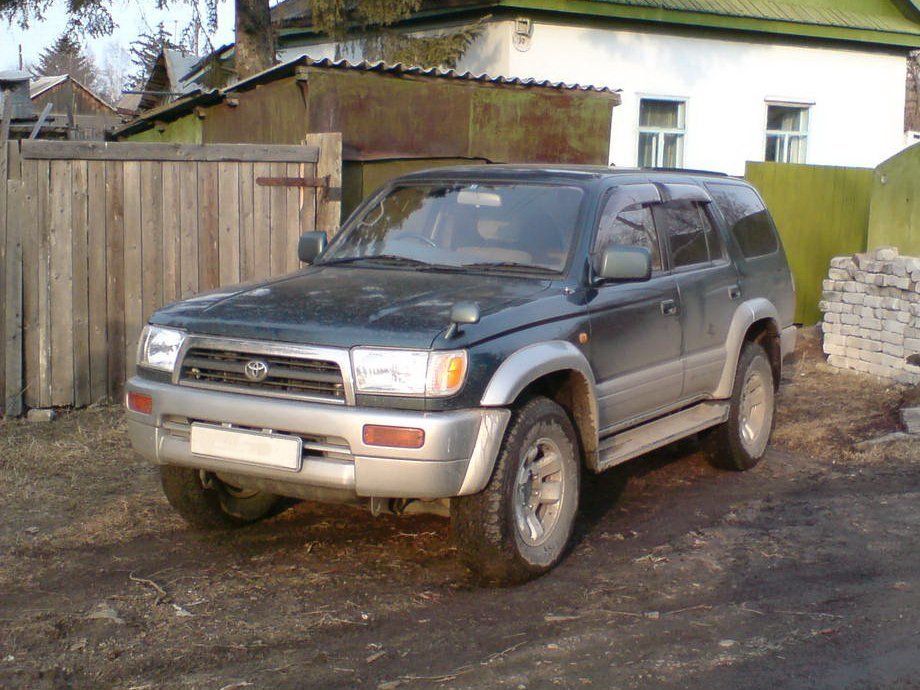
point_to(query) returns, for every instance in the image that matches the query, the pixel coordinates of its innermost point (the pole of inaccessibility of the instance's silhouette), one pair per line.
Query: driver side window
(627, 220)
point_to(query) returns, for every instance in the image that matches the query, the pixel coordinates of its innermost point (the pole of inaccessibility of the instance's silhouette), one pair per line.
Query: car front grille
(287, 376)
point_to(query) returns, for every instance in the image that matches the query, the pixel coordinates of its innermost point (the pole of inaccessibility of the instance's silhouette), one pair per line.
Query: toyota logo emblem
(256, 370)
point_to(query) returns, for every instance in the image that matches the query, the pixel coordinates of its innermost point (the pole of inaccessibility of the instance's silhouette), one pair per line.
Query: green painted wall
(185, 130)
(821, 212)
(894, 218)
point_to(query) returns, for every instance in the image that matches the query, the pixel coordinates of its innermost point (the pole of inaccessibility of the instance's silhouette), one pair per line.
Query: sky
(132, 18)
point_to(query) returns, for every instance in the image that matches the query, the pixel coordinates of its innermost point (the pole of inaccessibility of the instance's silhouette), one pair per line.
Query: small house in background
(59, 106)
(393, 119)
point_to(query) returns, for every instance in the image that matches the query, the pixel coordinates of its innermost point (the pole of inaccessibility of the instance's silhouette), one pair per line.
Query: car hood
(344, 306)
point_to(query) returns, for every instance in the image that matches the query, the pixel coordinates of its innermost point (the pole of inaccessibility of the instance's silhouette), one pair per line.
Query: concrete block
(838, 274)
(834, 349)
(832, 296)
(834, 339)
(45, 414)
(902, 317)
(852, 297)
(892, 338)
(873, 301)
(910, 418)
(871, 324)
(831, 318)
(885, 253)
(852, 286)
(849, 319)
(893, 327)
(893, 350)
(841, 261)
(911, 345)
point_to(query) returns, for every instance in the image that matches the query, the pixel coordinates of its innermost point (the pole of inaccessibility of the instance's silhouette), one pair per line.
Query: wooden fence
(821, 212)
(94, 237)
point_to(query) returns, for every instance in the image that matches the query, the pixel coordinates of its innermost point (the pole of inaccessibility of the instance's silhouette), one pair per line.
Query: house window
(661, 133)
(787, 133)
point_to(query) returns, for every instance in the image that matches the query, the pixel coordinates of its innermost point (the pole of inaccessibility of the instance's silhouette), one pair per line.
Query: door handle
(734, 292)
(669, 307)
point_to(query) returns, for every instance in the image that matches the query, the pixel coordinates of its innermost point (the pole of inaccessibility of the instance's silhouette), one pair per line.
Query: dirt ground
(802, 573)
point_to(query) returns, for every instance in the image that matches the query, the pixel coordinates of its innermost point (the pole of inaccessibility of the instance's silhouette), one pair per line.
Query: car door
(635, 327)
(708, 284)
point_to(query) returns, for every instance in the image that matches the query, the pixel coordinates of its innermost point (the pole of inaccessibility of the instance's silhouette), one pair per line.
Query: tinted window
(627, 220)
(747, 218)
(685, 225)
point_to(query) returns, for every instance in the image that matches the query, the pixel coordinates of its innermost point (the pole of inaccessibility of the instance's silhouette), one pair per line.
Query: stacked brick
(871, 311)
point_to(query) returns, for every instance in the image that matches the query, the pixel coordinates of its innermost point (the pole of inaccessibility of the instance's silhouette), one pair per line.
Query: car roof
(556, 172)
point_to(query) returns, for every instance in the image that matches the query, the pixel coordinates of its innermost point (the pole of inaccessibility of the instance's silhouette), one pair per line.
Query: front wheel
(519, 526)
(740, 442)
(207, 502)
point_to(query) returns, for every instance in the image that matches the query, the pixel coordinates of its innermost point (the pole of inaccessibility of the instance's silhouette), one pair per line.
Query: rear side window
(686, 227)
(747, 218)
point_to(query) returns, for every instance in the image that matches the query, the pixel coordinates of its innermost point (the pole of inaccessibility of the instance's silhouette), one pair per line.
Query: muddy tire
(740, 443)
(204, 501)
(519, 526)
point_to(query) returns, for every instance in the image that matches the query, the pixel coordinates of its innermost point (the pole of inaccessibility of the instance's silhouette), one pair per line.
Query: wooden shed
(393, 118)
(84, 113)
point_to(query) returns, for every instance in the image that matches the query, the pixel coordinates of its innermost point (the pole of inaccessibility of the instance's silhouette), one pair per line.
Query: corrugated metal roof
(400, 69)
(800, 13)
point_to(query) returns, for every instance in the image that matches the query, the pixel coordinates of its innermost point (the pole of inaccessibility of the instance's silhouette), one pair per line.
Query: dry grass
(824, 412)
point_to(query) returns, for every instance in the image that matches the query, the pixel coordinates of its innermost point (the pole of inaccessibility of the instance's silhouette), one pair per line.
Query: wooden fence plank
(96, 280)
(247, 223)
(277, 224)
(4, 225)
(328, 207)
(115, 277)
(134, 151)
(61, 284)
(188, 229)
(228, 214)
(261, 211)
(171, 232)
(30, 280)
(292, 222)
(43, 354)
(151, 261)
(80, 285)
(18, 208)
(308, 199)
(208, 228)
(134, 265)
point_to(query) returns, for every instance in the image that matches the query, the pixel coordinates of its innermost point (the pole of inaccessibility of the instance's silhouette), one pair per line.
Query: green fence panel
(894, 218)
(821, 212)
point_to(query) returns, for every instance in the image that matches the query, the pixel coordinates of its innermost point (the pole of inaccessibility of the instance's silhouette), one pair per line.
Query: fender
(528, 364)
(745, 315)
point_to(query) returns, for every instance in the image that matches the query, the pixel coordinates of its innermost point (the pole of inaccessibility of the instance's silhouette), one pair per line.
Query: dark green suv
(469, 340)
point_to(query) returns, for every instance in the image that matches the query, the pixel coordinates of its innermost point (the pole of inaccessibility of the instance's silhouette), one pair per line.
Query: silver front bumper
(456, 459)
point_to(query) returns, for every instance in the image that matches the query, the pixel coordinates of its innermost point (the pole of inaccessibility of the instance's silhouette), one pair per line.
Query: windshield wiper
(392, 259)
(514, 265)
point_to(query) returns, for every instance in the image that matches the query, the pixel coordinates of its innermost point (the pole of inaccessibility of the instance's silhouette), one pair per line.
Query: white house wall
(858, 95)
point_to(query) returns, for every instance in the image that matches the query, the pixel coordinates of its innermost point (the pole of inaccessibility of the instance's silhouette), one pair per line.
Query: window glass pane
(746, 217)
(627, 220)
(682, 223)
(774, 148)
(648, 150)
(673, 150)
(782, 118)
(796, 150)
(661, 114)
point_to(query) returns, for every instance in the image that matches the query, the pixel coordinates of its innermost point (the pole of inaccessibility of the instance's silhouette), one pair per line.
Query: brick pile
(871, 311)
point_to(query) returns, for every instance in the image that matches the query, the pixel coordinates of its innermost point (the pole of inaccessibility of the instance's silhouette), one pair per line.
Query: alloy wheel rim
(539, 492)
(754, 415)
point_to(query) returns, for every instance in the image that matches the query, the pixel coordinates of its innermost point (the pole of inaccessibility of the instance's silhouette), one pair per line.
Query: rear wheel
(740, 442)
(519, 526)
(207, 502)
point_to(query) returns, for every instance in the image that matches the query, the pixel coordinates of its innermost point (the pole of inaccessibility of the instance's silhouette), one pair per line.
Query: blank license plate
(246, 446)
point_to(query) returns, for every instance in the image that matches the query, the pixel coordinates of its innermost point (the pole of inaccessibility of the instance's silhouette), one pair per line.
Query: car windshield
(495, 226)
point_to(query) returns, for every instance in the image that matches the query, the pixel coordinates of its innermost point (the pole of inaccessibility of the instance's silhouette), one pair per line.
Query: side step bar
(640, 440)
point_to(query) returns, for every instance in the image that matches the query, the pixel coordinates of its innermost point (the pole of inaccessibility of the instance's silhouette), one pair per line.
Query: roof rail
(691, 171)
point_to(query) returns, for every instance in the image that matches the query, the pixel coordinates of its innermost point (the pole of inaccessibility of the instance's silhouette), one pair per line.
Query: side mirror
(462, 313)
(310, 246)
(621, 262)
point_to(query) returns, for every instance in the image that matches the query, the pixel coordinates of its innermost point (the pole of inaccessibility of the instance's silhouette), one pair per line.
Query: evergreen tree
(145, 50)
(66, 56)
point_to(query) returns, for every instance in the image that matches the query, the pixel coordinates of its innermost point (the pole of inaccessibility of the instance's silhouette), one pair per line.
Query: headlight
(159, 348)
(409, 372)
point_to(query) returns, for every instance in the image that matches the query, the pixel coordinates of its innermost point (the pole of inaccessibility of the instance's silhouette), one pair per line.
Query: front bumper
(456, 459)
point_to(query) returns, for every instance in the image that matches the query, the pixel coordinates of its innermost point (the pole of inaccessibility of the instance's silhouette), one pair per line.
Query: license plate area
(251, 447)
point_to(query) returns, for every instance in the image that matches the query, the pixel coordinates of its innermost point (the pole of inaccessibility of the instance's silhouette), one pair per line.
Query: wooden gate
(95, 236)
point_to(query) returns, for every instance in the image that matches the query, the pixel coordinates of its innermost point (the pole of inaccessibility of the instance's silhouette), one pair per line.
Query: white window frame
(786, 136)
(660, 132)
